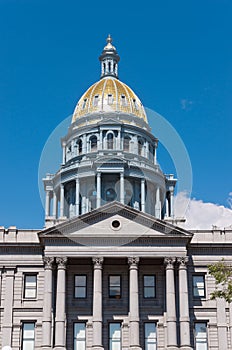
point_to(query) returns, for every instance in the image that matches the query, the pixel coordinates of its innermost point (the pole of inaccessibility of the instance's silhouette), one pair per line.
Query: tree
(222, 272)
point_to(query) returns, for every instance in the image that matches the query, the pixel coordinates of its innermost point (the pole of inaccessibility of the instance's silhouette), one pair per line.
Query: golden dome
(109, 95)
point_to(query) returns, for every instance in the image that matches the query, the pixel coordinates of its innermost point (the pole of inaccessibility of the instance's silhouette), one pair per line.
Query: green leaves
(222, 273)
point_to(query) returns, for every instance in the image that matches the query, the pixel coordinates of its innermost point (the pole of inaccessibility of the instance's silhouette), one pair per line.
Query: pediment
(116, 221)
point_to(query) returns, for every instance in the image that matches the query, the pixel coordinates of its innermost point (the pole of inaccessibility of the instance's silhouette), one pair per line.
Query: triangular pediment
(116, 220)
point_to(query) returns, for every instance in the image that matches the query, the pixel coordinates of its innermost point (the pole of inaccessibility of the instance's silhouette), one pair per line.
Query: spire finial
(109, 59)
(109, 39)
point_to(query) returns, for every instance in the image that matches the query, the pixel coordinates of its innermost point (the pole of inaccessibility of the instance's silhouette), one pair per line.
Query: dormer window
(110, 99)
(84, 103)
(95, 100)
(123, 100)
(135, 104)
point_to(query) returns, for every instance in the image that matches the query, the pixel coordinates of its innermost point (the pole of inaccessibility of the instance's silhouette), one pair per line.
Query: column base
(59, 348)
(97, 347)
(172, 347)
(186, 347)
(135, 348)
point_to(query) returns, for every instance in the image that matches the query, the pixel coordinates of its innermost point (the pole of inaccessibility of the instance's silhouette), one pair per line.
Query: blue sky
(176, 55)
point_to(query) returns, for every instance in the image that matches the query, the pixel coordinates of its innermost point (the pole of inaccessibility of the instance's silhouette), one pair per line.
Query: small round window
(116, 224)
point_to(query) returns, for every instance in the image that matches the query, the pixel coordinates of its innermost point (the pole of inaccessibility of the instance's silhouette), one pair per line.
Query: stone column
(119, 140)
(172, 203)
(60, 320)
(54, 212)
(7, 321)
(98, 190)
(97, 303)
(230, 322)
(158, 204)
(171, 304)
(143, 195)
(47, 307)
(184, 304)
(101, 140)
(77, 196)
(122, 188)
(84, 145)
(63, 149)
(155, 154)
(134, 303)
(222, 324)
(47, 203)
(61, 200)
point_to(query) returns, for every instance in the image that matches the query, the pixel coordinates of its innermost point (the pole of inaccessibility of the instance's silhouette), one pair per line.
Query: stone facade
(173, 255)
(110, 271)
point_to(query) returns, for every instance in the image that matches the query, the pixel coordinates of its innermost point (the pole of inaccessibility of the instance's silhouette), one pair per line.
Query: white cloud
(202, 216)
(186, 104)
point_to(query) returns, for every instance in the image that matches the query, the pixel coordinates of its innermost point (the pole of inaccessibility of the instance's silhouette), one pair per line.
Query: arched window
(93, 143)
(110, 141)
(79, 146)
(84, 103)
(140, 147)
(109, 66)
(95, 100)
(104, 68)
(126, 143)
(110, 195)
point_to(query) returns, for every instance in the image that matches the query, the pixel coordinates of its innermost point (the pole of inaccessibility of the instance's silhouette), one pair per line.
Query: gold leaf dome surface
(109, 95)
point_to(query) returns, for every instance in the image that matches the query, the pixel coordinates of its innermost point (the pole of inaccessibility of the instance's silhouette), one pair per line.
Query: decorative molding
(48, 262)
(133, 261)
(169, 262)
(182, 261)
(98, 261)
(61, 262)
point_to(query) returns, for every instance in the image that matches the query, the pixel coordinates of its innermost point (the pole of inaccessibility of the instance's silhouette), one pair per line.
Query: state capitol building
(111, 270)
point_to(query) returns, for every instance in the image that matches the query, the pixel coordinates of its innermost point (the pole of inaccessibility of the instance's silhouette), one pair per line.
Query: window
(30, 286)
(110, 99)
(126, 143)
(199, 286)
(28, 336)
(80, 286)
(110, 195)
(135, 104)
(79, 338)
(200, 336)
(79, 146)
(93, 143)
(140, 147)
(115, 287)
(110, 141)
(123, 100)
(114, 336)
(149, 286)
(95, 100)
(150, 336)
(84, 103)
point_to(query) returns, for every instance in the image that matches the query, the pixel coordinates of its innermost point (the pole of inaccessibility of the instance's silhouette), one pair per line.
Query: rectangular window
(95, 100)
(115, 287)
(123, 100)
(200, 335)
(149, 286)
(115, 336)
(28, 336)
(80, 286)
(150, 336)
(30, 286)
(110, 99)
(79, 337)
(199, 286)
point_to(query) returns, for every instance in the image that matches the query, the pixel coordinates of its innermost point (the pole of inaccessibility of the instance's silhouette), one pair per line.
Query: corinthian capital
(182, 261)
(48, 262)
(169, 262)
(133, 261)
(61, 262)
(98, 261)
